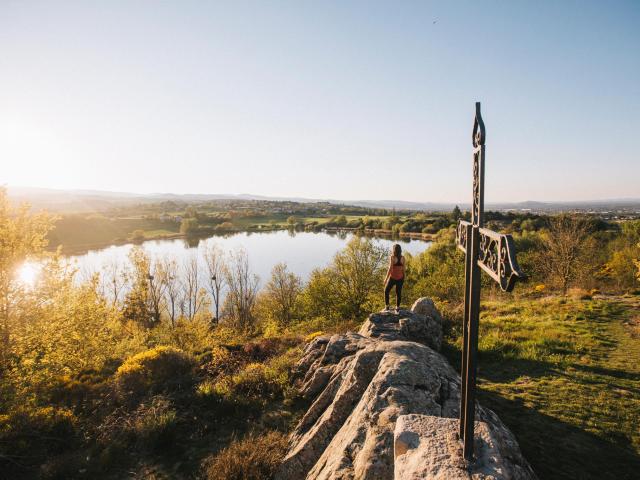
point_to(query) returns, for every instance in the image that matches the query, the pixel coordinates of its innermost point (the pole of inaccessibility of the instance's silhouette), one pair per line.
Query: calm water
(302, 251)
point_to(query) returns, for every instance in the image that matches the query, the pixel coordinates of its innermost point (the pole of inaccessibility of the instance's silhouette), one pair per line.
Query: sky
(333, 99)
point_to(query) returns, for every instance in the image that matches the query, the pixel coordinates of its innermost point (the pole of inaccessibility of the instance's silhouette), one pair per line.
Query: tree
(456, 214)
(340, 220)
(189, 226)
(280, 297)
(157, 285)
(172, 288)
(137, 301)
(114, 280)
(242, 291)
(358, 270)
(320, 296)
(437, 272)
(622, 267)
(563, 249)
(193, 295)
(23, 235)
(213, 257)
(137, 235)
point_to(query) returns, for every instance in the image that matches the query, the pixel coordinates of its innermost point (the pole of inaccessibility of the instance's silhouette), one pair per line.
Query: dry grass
(254, 457)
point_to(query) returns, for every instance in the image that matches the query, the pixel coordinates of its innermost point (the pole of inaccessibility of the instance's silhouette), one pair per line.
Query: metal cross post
(495, 254)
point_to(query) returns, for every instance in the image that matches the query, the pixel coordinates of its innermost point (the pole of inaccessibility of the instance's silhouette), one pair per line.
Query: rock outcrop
(385, 405)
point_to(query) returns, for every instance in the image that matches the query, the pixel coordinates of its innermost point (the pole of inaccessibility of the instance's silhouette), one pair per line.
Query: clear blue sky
(347, 100)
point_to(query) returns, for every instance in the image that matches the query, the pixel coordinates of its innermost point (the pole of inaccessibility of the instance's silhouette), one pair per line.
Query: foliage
(150, 426)
(137, 235)
(622, 267)
(260, 381)
(24, 236)
(564, 255)
(347, 287)
(189, 226)
(137, 302)
(437, 272)
(158, 369)
(242, 291)
(33, 434)
(254, 457)
(66, 329)
(184, 385)
(214, 260)
(279, 300)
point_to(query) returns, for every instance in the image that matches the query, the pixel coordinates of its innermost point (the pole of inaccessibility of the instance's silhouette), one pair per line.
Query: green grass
(158, 233)
(564, 375)
(77, 233)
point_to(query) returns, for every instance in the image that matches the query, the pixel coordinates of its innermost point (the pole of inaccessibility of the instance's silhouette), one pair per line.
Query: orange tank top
(397, 271)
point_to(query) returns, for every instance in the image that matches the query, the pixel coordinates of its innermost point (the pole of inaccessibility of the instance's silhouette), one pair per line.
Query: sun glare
(28, 273)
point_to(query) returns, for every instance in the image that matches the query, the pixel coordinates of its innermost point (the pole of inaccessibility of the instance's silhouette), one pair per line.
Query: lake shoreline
(81, 249)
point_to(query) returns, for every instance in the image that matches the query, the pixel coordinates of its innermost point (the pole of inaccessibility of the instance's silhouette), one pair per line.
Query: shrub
(150, 426)
(262, 349)
(137, 235)
(255, 457)
(30, 435)
(189, 226)
(154, 423)
(218, 361)
(622, 269)
(437, 272)
(313, 335)
(161, 368)
(256, 381)
(579, 294)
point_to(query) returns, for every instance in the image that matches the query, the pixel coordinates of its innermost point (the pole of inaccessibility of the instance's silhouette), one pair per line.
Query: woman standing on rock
(395, 276)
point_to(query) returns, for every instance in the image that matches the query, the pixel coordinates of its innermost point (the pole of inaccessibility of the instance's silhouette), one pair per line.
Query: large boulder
(422, 324)
(361, 384)
(429, 447)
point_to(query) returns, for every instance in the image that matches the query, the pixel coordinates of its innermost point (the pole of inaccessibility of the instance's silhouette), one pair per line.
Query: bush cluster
(158, 369)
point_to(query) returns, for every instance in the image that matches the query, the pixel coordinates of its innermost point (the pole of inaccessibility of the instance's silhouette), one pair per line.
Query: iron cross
(495, 254)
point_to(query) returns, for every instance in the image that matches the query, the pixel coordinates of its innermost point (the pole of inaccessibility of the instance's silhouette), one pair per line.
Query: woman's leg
(398, 292)
(387, 289)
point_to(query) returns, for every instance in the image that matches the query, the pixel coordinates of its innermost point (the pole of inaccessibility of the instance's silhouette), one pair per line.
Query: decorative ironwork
(478, 137)
(495, 254)
(461, 235)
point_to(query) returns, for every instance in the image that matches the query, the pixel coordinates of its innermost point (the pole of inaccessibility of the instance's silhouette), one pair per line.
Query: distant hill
(65, 201)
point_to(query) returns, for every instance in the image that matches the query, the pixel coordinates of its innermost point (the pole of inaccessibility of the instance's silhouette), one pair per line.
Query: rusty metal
(495, 254)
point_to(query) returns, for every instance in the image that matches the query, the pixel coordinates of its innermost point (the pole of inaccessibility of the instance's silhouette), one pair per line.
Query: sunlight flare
(28, 274)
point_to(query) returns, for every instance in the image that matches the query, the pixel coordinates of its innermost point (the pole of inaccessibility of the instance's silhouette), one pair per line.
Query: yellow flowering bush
(313, 335)
(160, 368)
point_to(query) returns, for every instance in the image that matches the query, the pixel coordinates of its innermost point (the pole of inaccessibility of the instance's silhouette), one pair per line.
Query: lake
(301, 251)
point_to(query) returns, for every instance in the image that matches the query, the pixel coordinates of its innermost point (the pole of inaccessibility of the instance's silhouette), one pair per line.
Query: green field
(564, 375)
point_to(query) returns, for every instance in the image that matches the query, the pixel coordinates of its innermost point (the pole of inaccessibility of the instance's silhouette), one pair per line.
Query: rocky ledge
(385, 405)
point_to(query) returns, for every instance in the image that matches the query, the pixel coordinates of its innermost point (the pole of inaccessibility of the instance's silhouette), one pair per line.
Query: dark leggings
(390, 283)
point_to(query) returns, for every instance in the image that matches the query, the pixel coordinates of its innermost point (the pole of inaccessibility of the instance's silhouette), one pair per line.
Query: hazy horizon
(358, 101)
(34, 191)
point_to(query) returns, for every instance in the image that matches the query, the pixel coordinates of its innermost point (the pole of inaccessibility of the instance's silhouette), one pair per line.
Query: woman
(395, 276)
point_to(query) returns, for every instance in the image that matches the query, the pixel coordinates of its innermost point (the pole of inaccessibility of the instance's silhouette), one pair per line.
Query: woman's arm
(386, 278)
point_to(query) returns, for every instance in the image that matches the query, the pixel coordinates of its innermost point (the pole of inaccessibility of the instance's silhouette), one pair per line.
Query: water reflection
(301, 251)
